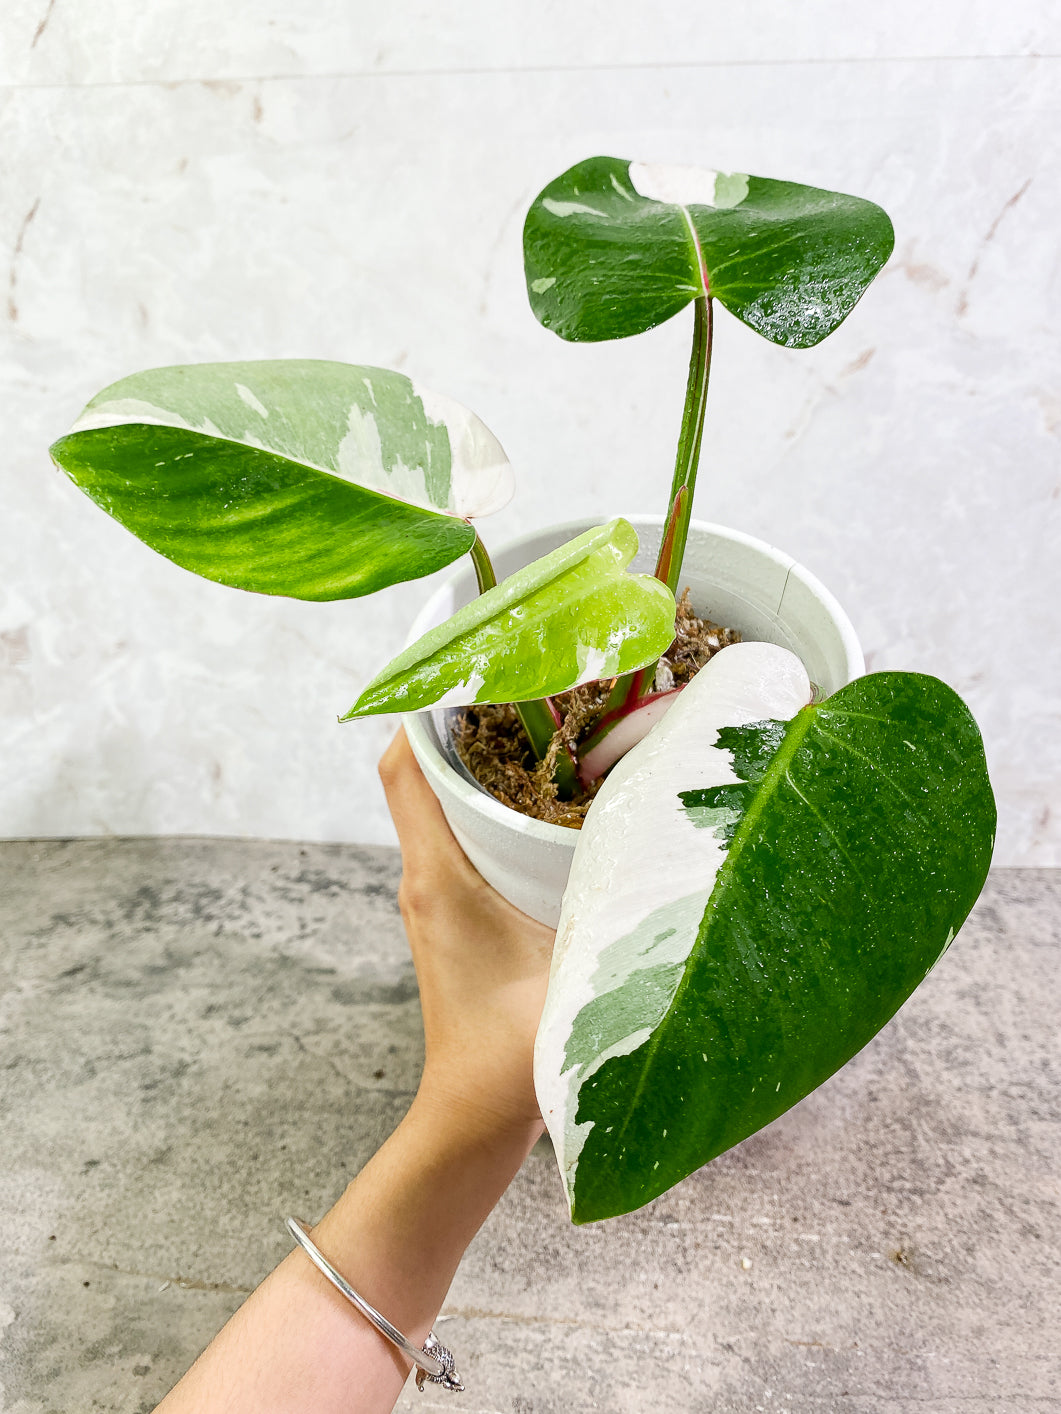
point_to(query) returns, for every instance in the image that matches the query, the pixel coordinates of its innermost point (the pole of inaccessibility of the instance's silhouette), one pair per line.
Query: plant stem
(484, 570)
(629, 691)
(688, 458)
(539, 718)
(538, 722)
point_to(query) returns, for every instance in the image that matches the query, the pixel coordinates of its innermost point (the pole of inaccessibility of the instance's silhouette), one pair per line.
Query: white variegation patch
(116, 412)
(688, 186)
(636, 856)
(252, 402)
(360, 455)
(572, 208)
(594, 663)
(481, 476)
(464, 694)
(360, 459)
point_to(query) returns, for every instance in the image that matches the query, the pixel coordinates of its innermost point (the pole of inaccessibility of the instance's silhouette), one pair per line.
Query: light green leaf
(571, 617)
(313, 479)
(613, 248)
(758, 887)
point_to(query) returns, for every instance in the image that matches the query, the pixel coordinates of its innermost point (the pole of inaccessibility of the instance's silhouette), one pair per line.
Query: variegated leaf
(571, 617)
(758, 887)
(302, 477)
(613, 248)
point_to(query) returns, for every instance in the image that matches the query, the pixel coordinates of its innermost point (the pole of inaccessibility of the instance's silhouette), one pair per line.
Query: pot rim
(434, 764)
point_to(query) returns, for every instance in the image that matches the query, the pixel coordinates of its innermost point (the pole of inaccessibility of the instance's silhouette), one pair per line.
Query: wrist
(398, 1231)
(452, 1108)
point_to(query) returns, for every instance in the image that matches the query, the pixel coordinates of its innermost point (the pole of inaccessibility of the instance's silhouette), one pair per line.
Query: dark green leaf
(613, 248)
(844, 870)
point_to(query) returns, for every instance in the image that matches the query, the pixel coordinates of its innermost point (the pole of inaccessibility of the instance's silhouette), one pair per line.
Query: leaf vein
(743, 257)
(828, 830)
(873, 765)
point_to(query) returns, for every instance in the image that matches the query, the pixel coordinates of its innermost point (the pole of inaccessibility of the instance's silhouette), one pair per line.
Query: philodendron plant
(763, 878)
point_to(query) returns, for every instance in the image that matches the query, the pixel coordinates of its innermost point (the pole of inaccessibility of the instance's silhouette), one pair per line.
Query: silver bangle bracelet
(434, 1362)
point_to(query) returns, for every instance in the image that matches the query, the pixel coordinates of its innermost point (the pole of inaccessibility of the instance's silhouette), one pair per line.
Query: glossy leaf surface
(613, 248)
(757, 889)
(571, 617)
(312, 479)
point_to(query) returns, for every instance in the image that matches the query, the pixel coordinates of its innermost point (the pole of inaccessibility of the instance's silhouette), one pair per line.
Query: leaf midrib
(266, 452)
(777, 769)
(698, 251)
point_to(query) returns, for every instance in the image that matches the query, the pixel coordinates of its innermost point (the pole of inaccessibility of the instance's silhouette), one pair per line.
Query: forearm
(403, 1224)
(400, 1229)
(397, 1234)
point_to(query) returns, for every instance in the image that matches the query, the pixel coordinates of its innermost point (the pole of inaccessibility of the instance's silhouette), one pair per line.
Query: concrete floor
(198, 1037)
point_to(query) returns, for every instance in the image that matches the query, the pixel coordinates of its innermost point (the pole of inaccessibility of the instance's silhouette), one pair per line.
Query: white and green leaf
(302, 477)
(758, 887)
(613, 248)
(571, 617)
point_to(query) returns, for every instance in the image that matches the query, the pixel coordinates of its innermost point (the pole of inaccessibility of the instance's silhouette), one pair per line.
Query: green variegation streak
(255, 520)
(570, 617)
(718, 808)
(752, 747)
(604, 261)
(635, 981)
(856, 861)
(721, 808)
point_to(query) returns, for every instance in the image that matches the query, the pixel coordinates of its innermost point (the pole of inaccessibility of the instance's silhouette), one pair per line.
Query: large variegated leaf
(571, 617)
(301, 477)
(614, 248)
(757, 888)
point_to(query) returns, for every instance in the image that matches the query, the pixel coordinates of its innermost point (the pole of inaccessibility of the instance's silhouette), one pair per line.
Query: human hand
(481, 964)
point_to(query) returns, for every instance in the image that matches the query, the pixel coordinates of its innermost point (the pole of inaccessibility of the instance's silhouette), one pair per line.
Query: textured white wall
(347, 180)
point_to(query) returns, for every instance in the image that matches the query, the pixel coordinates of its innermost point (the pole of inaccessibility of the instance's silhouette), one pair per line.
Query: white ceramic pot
(738, 581)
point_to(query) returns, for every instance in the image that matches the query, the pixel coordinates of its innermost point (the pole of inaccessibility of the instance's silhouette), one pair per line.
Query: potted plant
(763, 876)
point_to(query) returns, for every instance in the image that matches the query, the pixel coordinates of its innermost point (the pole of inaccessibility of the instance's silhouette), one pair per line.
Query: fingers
(426, 840)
